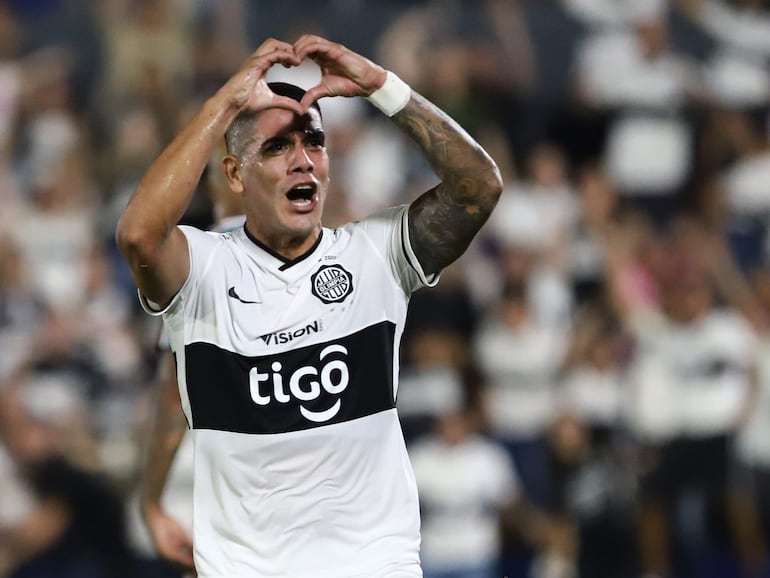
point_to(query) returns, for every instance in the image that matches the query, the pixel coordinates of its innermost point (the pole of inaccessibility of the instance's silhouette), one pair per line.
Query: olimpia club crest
(332, 283)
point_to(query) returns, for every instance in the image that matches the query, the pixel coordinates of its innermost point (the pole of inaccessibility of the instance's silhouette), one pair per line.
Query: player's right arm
(147, 236)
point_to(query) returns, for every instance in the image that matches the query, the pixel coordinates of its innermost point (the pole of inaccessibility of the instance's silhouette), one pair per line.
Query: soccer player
(286, 333)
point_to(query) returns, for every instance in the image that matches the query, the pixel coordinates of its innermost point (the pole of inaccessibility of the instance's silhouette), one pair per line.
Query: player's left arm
(444, 220)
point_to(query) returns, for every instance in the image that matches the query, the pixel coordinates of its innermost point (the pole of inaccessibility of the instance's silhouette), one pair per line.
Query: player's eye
(316, 140)
(276, 146)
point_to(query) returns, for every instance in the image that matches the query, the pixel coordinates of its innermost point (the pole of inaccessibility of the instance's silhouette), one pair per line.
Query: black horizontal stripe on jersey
(312, 386)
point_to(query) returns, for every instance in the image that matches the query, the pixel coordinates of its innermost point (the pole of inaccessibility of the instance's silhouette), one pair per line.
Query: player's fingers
(272, 44)
(312, 46)
(313, 94)
(186, 542)
(282, 55)
(183, 557)
(302, 42)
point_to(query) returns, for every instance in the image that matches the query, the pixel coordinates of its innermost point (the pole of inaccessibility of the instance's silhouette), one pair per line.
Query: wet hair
(239, 133)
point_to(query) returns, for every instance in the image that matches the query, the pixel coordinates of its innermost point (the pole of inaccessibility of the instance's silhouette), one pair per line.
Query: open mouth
(302, 195)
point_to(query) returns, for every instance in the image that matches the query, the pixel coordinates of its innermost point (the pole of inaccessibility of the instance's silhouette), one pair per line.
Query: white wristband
(392, 96)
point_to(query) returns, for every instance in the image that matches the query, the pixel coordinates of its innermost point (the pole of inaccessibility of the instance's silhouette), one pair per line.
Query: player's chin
(302, 224)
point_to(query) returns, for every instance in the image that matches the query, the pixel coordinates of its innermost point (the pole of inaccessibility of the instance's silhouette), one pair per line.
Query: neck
(228, 223)
(285, 246)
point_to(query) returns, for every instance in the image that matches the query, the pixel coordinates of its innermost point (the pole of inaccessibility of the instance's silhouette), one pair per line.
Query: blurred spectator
(597, 205)
(436, 358)
(69, 521)
(634, 66)
(219, 43)
(598, 14)
(693, 378)
(22, 309)
(11, 80)
(592, 459)
(149, 54)
(40, 417)
(137, 136)
(460, 508)
(592, 386)
(633, 72)
(45, 413)
(66, 28)
(16, 503)
(743, 180)
(635, 256)
(79, 528)
(754, 438)
(520, 357)
(54, 229)
(546, 285)
(55, 234)
(105, 330)
(542, 211)
(741, 24)
(592, 498)
(474, 59)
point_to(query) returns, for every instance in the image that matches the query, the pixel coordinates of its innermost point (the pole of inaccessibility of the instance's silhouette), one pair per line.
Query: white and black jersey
(288, 377)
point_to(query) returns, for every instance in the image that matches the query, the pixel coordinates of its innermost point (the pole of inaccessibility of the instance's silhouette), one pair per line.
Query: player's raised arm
(444, 220)
(147, 236)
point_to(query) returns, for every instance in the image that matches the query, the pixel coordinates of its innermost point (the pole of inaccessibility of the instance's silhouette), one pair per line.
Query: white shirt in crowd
(462, 489)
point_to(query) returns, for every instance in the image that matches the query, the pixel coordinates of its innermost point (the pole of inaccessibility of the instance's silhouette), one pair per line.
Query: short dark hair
(239, 132)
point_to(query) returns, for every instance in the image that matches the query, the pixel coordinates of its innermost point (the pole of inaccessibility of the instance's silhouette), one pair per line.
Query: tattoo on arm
(444, 220)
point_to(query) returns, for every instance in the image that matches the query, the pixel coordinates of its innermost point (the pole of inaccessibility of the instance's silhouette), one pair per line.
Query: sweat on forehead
(241, 131)
(246, 128)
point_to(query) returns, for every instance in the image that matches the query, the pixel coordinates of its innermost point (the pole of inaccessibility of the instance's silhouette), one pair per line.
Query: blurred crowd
(585, 394)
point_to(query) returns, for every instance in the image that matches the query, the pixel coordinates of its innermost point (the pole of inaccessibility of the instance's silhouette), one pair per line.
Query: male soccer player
(286, 333)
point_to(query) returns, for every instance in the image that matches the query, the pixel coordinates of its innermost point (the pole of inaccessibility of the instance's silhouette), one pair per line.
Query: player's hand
(171, 541)
(343, 72)
(247, 89)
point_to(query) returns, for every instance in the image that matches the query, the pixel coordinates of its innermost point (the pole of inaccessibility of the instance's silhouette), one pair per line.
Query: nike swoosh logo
(231, 293)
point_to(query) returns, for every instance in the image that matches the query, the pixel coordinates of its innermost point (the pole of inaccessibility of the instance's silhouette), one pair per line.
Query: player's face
(285, 174)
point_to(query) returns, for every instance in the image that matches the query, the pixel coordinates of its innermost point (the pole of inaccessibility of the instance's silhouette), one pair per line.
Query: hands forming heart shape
(343, 73)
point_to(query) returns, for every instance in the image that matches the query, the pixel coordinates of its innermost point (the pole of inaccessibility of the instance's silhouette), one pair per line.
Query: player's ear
(232, 169)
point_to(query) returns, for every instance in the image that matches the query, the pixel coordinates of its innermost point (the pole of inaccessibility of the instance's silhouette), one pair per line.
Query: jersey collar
(287, 263)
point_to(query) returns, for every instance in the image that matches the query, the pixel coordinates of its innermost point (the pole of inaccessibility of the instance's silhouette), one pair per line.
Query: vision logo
(280, 337)
(332, 283)
(304, 383)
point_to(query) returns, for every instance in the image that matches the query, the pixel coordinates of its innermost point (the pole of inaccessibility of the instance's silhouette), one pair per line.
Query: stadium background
(587, 391)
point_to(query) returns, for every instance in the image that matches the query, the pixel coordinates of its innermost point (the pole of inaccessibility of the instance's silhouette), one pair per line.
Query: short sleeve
(201, 245)
(389, 230)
